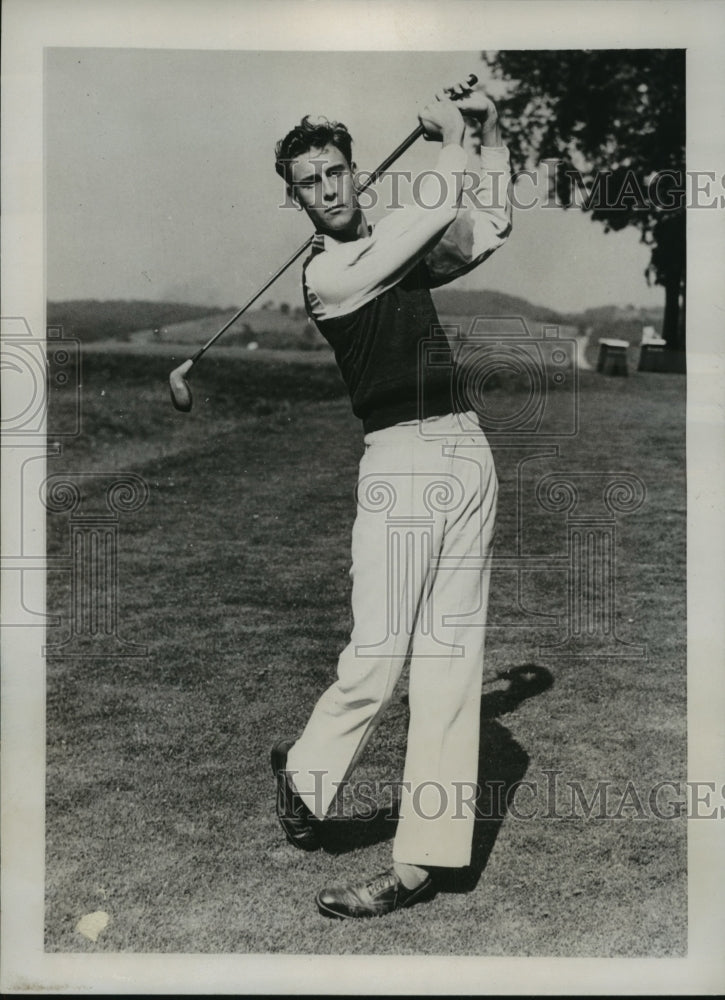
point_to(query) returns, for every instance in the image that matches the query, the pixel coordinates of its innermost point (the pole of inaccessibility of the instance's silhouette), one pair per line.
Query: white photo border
(29, 26)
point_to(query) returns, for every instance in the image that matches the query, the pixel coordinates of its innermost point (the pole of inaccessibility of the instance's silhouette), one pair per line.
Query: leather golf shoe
(373, 898)
(295, 818)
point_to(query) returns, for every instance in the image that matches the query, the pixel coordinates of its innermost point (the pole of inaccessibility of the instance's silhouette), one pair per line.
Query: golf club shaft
(405, 144)
(181, 395)
(250, 302)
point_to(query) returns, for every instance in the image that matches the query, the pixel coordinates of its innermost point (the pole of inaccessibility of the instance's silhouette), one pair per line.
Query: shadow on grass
(340, 836)
(502, 763)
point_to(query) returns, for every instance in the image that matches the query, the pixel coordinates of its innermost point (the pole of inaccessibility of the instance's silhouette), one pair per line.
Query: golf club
(178, 379)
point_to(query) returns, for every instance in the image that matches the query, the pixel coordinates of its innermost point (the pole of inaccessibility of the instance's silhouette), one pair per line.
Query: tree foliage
(614, 120)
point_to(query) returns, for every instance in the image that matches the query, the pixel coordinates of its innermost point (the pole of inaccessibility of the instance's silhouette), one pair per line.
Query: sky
(160, 179)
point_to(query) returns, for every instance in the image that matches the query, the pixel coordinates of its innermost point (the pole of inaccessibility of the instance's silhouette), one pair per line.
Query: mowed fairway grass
(234, 576)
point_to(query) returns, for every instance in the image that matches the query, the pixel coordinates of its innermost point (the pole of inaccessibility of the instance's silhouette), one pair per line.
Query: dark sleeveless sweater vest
(393, 357)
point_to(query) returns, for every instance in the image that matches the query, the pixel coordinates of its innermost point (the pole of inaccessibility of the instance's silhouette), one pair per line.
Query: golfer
(426, 499)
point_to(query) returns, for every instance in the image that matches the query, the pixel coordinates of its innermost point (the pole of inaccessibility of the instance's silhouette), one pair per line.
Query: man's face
(322, 182)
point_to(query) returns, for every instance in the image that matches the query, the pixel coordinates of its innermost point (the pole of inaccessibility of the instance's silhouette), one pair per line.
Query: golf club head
(180, 388)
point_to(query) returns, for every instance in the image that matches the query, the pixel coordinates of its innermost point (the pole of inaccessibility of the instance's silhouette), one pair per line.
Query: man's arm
(351, 274)
(483, 222)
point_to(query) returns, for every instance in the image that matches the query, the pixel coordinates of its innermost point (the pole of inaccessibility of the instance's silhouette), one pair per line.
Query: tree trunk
(671, 265)
(682, 324)
(671, 326)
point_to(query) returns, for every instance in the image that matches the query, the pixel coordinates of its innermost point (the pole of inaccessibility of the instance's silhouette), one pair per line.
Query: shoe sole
(334, 915)
(426, 891)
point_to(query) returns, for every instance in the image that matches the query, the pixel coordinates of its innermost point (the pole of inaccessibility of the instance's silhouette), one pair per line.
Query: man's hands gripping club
(461, 109)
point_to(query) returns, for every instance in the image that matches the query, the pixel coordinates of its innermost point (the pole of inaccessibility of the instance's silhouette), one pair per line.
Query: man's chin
(339, 224)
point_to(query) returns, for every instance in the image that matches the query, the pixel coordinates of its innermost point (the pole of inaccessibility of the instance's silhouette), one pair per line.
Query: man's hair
(311, 135)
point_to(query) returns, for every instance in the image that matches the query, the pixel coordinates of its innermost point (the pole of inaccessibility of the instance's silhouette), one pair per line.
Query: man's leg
(441, 768)
(384, 612)
(446, 673)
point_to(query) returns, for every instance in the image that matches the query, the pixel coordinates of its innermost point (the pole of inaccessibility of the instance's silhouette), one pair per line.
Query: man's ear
(293, 199)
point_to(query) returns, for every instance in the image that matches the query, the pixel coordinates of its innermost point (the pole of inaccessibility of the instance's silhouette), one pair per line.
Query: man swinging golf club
(416, 593)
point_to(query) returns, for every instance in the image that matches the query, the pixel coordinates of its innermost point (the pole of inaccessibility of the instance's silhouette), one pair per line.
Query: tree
(614, 122)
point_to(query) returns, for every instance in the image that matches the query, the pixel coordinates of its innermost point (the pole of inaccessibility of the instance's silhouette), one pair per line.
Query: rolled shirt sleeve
(483, 222)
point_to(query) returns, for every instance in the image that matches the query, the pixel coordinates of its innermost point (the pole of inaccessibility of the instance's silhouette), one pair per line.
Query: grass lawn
(160, 801)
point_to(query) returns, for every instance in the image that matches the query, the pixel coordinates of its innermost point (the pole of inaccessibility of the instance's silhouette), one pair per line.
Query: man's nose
(330, 187)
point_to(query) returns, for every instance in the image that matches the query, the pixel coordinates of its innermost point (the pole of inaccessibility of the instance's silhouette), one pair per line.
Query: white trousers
(421, 551)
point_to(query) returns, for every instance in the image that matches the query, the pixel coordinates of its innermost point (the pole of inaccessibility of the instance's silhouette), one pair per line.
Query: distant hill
(454, 302)
(285, 328)
(91, 319)
(618, 314)
(278, 329)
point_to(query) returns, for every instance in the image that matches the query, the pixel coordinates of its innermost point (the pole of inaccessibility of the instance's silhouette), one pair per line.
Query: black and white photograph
(362, 446)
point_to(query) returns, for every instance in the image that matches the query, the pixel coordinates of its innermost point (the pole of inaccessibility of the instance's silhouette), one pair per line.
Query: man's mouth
(334, 209)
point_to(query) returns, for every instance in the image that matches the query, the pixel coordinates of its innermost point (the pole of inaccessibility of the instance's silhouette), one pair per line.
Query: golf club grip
(417, 132)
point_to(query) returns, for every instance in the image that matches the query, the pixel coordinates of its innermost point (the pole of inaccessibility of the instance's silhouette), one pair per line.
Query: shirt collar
(323, 241)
